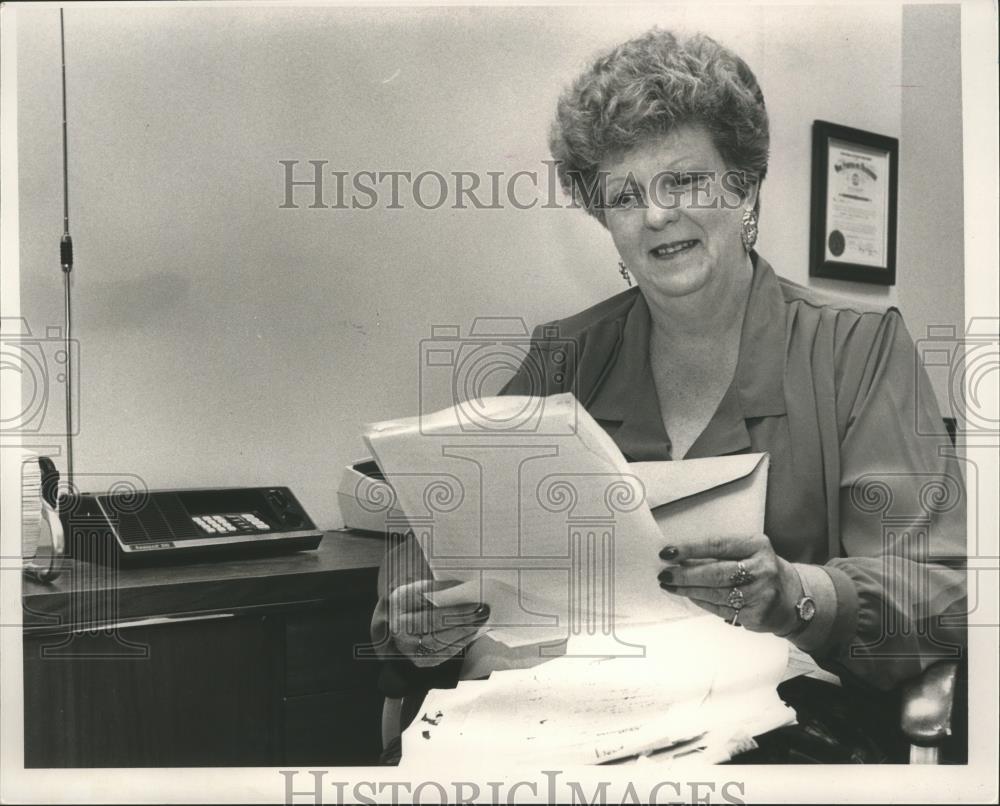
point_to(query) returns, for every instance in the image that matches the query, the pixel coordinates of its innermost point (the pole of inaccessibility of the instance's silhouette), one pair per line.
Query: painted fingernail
(665, 576)
(482, 612)
(668, 553)
(670, 588)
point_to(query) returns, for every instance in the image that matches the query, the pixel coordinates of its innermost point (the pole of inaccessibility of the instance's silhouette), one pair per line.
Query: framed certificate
(854, 196)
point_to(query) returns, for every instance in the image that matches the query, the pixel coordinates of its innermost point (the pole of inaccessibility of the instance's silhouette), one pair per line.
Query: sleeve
(404, 561)
(900, 587)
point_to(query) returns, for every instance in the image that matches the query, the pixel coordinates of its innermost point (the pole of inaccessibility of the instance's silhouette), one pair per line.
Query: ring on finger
(735, 600)
(741, 576)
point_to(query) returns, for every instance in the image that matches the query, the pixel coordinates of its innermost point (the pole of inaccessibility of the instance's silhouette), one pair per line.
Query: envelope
(550, 525)
(722, 496)
(689, 500)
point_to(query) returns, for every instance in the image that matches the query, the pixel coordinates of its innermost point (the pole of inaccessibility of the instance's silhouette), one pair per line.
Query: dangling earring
(748, 229)
(623, 271)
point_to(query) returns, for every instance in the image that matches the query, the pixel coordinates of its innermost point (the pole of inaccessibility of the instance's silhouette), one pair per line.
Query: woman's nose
(660, 212)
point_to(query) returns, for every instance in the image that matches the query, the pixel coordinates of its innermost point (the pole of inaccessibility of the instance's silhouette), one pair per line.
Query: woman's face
(675, 214)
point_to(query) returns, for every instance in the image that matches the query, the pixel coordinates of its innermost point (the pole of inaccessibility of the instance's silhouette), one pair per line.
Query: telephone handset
(42, 528)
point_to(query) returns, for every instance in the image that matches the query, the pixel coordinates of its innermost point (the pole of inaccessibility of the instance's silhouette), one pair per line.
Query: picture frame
(855, 183)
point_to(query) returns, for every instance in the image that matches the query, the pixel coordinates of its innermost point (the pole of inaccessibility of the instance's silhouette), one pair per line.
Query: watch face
(806, 608)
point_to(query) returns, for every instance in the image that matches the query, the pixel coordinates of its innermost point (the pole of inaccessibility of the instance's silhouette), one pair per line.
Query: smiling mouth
(671, 249)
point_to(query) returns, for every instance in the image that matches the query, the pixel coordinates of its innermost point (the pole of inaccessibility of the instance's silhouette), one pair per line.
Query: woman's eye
(678, 179)
(627, 200)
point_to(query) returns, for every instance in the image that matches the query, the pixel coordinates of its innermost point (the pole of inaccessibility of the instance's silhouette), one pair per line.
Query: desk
(242, 662)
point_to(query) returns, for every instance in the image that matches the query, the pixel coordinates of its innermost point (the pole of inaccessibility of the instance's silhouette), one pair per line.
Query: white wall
(227, 341)
(931, 211)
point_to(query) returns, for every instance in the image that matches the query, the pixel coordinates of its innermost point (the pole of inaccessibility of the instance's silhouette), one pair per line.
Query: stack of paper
(544, 519)
(701, 692)
(31, 505)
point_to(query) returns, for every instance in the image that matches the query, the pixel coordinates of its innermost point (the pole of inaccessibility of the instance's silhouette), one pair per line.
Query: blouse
(864, 496)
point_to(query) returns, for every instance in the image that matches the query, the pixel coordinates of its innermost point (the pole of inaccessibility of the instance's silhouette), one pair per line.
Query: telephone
(42, 538)
(129, 526)
(141, 527)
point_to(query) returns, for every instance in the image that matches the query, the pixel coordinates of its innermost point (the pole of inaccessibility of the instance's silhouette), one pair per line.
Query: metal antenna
(66, 257)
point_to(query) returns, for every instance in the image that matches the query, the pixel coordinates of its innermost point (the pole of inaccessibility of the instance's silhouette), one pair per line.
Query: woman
(665, 141)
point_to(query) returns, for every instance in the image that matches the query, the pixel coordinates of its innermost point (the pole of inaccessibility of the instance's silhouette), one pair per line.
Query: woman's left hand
(707, 574)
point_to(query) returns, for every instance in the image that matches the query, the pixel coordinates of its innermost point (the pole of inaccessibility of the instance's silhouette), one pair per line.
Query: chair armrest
(392, 710)
(927, 704)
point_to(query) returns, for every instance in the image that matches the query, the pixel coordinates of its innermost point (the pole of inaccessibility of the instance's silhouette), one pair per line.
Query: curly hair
(646, 87)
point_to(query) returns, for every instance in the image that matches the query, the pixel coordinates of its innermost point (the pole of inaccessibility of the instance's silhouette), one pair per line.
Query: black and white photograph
(439, 403)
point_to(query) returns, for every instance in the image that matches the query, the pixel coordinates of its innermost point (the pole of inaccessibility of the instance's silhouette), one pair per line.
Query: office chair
(928, 712)
(928, 701)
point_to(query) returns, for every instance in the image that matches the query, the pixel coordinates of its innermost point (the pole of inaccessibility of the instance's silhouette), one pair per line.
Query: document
(857, 213)
(703, 687)
(528, 505)
(549, 524)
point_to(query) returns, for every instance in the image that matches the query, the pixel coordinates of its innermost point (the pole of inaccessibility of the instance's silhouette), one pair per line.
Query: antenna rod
(66, 253)
(66, 258)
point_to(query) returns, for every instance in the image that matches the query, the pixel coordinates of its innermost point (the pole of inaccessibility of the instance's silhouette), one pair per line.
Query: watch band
(803, 623)
(800, 624)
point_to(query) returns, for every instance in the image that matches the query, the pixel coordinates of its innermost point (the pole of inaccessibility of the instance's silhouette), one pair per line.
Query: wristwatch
(805, 608)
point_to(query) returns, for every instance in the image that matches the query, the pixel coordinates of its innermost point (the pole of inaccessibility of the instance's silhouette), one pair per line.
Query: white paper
(591, 661)
(699, 681)
(547, 525)
(857, 212)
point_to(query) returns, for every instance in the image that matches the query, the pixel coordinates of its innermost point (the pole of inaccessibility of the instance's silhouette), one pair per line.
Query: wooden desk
(247, 662)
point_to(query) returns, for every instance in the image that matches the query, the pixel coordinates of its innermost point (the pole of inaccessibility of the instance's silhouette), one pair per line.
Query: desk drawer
(321, 648)
(201, 695)
(341, 729)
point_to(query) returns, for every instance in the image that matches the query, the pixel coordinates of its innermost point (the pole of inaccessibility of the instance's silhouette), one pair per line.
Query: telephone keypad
(231, 523)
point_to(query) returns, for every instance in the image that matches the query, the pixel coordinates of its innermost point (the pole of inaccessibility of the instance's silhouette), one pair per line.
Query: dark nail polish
(670, 588)
(668, 553)
(482, 612)
(665, 576)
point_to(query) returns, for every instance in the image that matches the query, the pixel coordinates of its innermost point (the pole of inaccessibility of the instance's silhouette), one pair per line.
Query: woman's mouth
(672, 249)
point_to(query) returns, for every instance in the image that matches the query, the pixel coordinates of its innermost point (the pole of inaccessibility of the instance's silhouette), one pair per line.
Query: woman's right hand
(430, 635)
